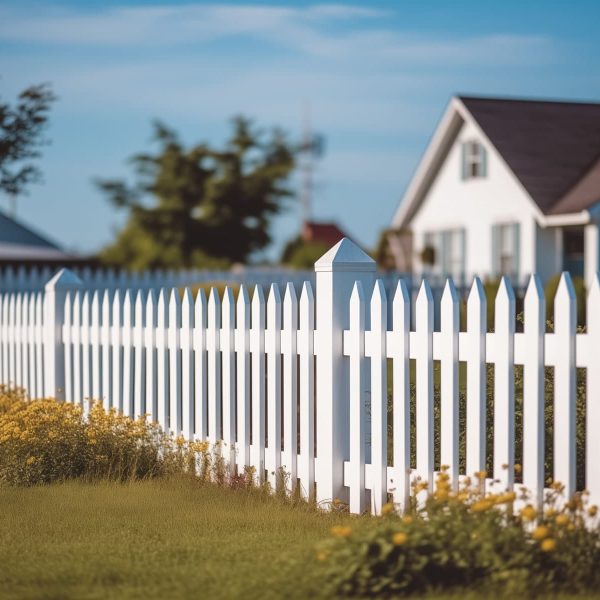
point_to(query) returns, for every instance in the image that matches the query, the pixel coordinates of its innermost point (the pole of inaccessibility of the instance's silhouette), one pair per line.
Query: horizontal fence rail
(350, 391)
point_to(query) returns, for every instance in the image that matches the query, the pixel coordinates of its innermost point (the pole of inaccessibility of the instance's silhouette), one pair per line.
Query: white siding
(476, 205)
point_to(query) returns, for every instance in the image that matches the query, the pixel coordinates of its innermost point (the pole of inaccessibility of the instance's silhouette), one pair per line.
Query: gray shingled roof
(553, 148)
(18, 242)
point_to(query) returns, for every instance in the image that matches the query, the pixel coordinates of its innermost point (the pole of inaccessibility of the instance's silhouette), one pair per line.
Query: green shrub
(468, 540)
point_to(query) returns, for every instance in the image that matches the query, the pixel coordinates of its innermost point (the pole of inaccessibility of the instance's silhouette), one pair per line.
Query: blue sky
(376, 75)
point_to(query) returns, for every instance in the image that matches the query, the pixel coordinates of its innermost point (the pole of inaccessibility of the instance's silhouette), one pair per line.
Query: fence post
(336, 272)
(54, 314)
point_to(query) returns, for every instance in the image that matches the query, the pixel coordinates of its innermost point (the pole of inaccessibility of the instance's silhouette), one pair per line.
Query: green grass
(159, 539)
(155, 539)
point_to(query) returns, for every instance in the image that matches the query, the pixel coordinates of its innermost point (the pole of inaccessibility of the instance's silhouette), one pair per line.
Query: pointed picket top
(565, 291)
(243, 306)
(345, 256)
(593, 305)
(290, 306)
(505, 303)
(175, 308)
(116, 304)
(162, 308)
(200, 308)
(378, 297)
(65, 279)
(187, 309)
(258, 298)
(273, 305)
(151, 308)
(357, 306)
(228, 301)
(401, 297)
(96, 305)
(214, 304)
(228, 309)
(307, 297)
(139, 307)
(477, 298)
(127, 307)
(424, 296)
(449, 295)
(106, 304)
(534, 303)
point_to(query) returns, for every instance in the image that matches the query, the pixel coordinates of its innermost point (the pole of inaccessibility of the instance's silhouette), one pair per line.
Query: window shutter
(483, 155)
(464, 160)
(517, 251)
(495, 251)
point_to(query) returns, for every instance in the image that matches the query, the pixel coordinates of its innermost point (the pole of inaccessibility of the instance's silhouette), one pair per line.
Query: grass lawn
(157, 539)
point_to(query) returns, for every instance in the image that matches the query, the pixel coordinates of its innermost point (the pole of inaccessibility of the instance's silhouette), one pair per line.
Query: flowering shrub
(43, 441)
(468, 539)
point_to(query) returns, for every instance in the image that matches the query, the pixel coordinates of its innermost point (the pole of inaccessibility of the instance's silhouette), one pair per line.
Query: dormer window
(473, 160)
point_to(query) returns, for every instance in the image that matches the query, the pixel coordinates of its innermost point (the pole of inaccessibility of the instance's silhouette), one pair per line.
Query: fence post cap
(65, 279)
(345, 256)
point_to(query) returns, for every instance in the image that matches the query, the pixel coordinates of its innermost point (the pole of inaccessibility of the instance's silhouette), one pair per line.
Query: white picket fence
(300, 385)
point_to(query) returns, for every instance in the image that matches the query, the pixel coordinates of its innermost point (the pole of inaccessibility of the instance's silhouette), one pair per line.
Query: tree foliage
(200, 205)
(21, 128)
(300, 254)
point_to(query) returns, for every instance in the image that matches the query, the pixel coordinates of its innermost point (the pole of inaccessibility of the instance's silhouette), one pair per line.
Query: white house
(505, 187)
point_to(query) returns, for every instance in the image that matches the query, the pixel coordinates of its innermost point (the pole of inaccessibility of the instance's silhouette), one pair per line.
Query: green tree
(21, 128)
(300, 254)
(200, 206)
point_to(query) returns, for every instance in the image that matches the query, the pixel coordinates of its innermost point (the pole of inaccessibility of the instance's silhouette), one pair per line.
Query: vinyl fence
(317, 384)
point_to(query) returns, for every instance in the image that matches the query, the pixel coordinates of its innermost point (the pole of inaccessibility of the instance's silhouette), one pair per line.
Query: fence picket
(214, 366)
(565, 380)
(30, 381)
(399, 351)
(105, 336)
(39, 348)
(127, 344)
(592, 475)
(424, 375)
(227, 346)
(68, 348)
(174, 363)
(504, 389)
(150, 406)
(27, 345)
(273, 351)
(533, 389)
(117, 365)
(242, 349)
(4, 337)
(200, 367)
(18, 340)
(95, 348)
(354, 345)
(139, 385)
(76, 352)
(306, 466)
(257, 350)
(162, 362)
(86, 391)
(476, 378)
(187, 365)
(289, 337)
(450, 325)
(376, 349)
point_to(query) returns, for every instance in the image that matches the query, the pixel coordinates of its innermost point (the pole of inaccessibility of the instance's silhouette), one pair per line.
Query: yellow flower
(322, 555)
(481, 475)
(562, 520)
(506, 497)
(341, 531)
(481, 505)
(518, 468)
(548, 545)
(593, 510)
(541, 532)
(30, 460)
(407, 519)
(399, 538)
(387, 508)
(528, 513)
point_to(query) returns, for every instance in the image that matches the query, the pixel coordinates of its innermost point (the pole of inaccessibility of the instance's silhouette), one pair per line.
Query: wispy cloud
(304, 30)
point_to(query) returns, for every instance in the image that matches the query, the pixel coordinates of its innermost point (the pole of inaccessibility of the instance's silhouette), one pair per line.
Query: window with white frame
(506, 248)
(474, 160)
